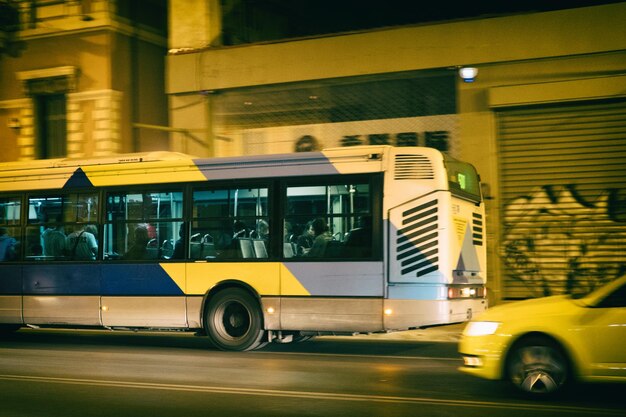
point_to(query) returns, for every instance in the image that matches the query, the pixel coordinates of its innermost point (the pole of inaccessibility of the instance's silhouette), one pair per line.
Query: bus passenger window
(8, 245)
(331, 221)
(62, 227)
(143, 226)
(9, 228)
(230, 224)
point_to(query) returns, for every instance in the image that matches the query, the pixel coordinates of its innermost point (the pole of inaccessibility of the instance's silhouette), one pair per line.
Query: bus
(245, 250)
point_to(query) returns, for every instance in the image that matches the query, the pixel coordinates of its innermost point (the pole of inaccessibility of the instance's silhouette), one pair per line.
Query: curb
(446, 333)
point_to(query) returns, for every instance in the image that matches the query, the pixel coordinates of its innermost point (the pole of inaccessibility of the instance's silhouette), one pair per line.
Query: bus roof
(172, 167)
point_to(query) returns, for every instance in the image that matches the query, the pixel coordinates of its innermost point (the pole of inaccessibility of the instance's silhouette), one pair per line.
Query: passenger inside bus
(262, 230)
(359, 241)
(304, 241)
(321, 238)
(8, 246)
(81, 245)
(54, 240)
(139, 249)
(179, 245)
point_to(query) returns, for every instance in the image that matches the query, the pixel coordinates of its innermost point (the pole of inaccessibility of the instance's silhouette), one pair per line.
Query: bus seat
(246, 248)
(288, 251)
(202, 250)
(167, 249)
(259, 248)
(334, 249)
(152, 249)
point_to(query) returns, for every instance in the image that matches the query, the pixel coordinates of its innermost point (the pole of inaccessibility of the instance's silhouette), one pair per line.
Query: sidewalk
(447, 333)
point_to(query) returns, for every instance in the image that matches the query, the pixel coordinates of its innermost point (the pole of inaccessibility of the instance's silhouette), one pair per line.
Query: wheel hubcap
(235, 320)
(538, 369)
(539, 381)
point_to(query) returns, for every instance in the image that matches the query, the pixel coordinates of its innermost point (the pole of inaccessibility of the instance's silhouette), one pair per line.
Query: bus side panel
(408, 313)
(141, 295)
(332, 314)
(153, 312)
(263, 277)
(10, 294)
(340, 279)
(343, 296)
(62, 294)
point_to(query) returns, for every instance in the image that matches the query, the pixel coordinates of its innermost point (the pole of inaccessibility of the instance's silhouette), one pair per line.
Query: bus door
(56, 293)
(141, 295)
(10, 293)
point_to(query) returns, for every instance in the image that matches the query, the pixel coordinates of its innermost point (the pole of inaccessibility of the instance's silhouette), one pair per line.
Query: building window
(48, 89)
(51, 125)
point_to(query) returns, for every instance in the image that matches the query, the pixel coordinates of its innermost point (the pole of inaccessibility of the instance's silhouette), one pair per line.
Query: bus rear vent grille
(413, 167)
(477, 229)
(417, 249)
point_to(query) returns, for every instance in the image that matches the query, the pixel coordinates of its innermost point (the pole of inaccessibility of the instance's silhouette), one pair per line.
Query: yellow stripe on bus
(267, 278)
(144, 173)
(176, 272)
(290, 284)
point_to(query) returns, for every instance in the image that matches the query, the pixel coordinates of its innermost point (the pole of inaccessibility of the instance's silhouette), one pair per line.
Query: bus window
(9, 228)
(463, 179)
(230, 224)
(328, 221)
(142, 225)
(62, 227)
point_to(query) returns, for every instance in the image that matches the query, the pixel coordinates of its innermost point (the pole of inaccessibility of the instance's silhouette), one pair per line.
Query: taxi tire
(537, 366)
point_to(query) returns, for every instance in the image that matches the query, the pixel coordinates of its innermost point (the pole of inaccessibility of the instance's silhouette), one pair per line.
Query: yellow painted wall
(522, 59)
(472, 42)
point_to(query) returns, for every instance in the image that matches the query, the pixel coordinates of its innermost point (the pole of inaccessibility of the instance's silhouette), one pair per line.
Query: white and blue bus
(247, 250)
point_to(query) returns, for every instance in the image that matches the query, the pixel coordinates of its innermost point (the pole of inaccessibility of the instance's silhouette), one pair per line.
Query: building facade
(544, 120)
(82, 78)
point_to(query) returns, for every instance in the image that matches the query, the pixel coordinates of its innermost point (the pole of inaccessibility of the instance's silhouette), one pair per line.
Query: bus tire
(233, 320)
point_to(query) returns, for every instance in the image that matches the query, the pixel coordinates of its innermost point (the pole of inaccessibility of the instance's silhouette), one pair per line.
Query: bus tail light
(466, 291)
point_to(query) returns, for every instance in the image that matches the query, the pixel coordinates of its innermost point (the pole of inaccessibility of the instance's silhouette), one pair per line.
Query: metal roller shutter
(563, 197)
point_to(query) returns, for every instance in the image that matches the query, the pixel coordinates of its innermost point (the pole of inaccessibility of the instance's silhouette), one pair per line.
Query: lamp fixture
(468, 74)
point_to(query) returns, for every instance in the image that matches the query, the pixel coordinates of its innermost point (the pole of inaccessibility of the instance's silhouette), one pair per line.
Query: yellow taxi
(541, 345)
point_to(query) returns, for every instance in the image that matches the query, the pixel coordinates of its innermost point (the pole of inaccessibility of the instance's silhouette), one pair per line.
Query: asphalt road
(51, 373)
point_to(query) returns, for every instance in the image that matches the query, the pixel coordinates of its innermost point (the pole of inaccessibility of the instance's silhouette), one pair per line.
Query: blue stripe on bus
(137, 279)
(258, 166)
(88, 279)
(10, 279)
(78, 180)
(57, 278)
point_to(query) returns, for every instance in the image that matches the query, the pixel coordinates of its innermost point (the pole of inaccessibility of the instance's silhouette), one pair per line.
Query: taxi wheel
(537, 366)
(233, 320)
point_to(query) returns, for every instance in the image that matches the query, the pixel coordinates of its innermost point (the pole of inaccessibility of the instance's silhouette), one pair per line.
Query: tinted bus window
(328, 221)
(10, 213)
(62, 227)
(142, 225)
(230, 224)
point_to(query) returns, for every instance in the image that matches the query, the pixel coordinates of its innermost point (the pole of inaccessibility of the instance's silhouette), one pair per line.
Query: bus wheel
(233, 320)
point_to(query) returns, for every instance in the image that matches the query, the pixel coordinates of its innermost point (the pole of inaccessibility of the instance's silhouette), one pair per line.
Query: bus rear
(436, 257)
